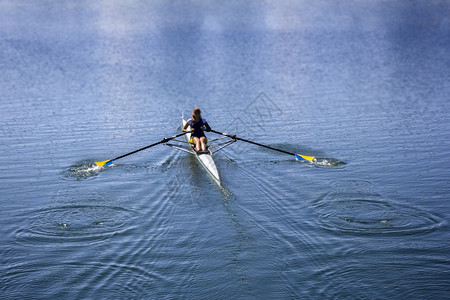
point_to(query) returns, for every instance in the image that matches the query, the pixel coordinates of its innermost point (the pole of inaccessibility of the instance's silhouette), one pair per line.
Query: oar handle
(233, 136)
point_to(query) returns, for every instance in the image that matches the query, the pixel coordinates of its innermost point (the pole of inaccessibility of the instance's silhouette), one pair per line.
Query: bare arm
(184, 129)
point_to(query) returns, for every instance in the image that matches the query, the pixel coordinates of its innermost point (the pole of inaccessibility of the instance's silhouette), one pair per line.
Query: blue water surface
(361, 85)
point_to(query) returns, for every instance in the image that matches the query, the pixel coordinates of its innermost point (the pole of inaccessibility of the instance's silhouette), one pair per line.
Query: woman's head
(196, 114)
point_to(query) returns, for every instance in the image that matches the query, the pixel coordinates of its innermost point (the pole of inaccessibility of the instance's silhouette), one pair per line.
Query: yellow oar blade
(104, 163)
(304, 157)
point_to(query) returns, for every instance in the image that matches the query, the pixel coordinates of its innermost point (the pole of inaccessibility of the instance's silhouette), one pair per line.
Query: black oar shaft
(118, 157)
(154, 144)
(251, 142)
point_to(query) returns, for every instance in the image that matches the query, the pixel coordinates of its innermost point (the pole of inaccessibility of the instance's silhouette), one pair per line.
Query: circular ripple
(362, 216)
(75, 223)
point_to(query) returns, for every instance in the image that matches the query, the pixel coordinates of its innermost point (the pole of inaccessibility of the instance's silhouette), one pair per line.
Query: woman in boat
(199, 125)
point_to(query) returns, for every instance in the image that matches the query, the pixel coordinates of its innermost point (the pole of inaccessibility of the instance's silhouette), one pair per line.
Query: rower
(199, 125)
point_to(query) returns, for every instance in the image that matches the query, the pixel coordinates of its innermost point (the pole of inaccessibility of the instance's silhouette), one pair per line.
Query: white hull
(206, 160)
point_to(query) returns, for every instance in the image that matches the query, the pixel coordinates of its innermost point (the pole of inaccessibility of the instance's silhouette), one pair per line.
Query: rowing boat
(205, 159)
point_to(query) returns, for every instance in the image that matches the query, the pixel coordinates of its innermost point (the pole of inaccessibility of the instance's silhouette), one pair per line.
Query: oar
(297, 156)
(164, 140)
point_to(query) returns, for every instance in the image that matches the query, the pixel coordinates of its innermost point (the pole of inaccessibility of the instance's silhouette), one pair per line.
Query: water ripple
(74, 224)
(359, 212)
(94, 278)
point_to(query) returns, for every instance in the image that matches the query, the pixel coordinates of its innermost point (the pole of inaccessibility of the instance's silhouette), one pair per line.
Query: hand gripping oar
(164, 140)
(297, 156)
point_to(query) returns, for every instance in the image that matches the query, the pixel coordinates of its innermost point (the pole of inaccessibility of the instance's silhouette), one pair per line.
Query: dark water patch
(403, 273)
(113, 278)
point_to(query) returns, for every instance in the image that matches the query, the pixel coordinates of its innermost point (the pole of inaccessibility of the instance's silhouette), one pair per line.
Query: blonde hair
(194, 114)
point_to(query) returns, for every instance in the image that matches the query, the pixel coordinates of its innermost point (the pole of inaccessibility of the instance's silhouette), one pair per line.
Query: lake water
(362, 85)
